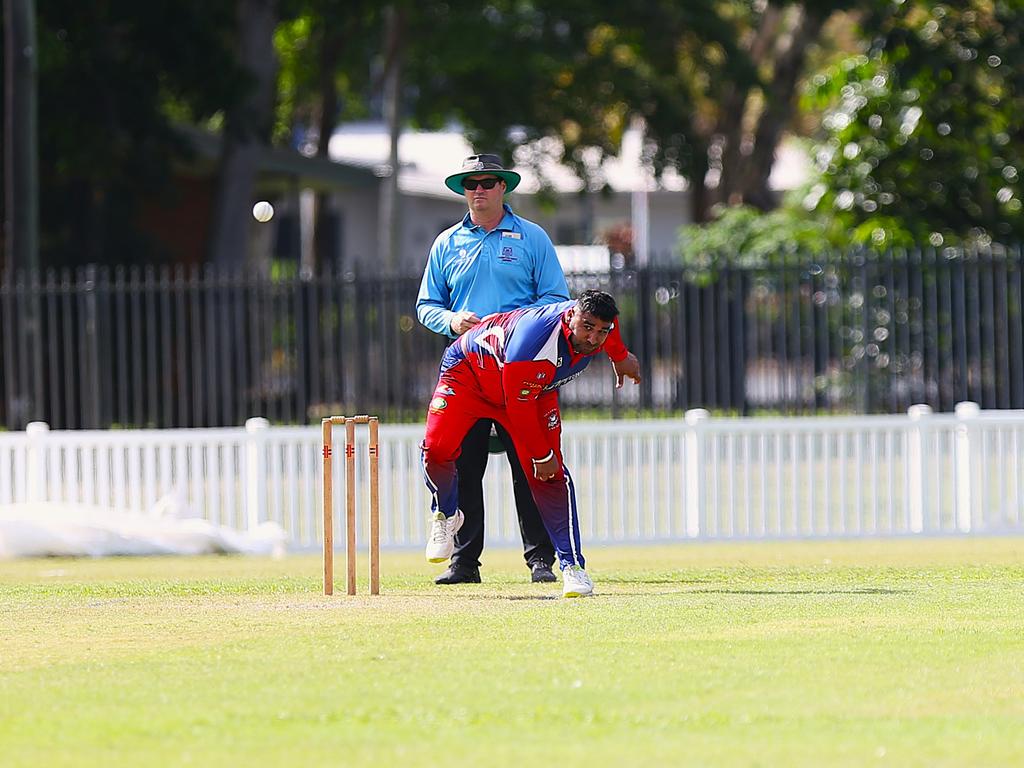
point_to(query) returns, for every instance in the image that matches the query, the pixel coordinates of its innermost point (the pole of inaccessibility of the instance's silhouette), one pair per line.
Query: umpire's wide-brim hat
(479, 164)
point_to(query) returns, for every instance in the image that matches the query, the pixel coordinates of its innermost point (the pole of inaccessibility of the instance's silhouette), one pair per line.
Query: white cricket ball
(263, 211)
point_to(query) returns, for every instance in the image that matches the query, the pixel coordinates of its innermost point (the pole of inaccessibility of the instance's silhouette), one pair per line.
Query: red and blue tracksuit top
(509, 367)
(530, 347)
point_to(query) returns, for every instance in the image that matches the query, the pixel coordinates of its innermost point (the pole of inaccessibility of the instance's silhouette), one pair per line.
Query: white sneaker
(441, 541)
(575, 582)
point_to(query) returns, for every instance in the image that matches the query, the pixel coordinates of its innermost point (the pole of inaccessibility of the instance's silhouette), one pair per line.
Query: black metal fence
(852, 333)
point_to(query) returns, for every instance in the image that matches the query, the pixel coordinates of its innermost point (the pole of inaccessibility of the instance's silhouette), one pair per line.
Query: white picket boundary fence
(696, 478)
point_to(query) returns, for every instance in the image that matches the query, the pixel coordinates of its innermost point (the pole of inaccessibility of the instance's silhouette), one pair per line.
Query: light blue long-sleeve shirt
(512, 266)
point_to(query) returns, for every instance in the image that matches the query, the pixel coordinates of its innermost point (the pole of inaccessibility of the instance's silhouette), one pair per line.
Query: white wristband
(550, 455)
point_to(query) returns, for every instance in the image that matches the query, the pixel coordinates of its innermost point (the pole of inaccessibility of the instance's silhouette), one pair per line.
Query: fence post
(35, 470)
(92, 343)
(255, 471)
(693, 480)
(966, 446)
(917, 464)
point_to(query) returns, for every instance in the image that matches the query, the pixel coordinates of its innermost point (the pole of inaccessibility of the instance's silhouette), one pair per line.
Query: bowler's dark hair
(599, 304)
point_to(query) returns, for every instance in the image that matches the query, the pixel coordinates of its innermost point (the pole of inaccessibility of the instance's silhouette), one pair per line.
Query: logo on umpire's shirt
(507, 255)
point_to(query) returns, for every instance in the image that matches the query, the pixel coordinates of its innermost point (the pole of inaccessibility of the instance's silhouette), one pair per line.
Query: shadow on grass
(499, 596)
(863, 591)
(685, 583)
(529, 597)
(484, 595)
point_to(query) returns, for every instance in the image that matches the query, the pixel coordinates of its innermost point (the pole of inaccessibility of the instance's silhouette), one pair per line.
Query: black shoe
(459, 574)
(541, 572)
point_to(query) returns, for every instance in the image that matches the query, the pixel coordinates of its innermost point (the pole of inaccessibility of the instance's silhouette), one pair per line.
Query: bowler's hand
(463, 321)
(630, 366)
(546, 470)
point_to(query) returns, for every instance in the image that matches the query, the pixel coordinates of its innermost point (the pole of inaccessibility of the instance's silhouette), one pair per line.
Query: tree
(924, 134)
(109, 103)
(21, 179)
(389, 212)
(573, 72)
(247, 129)
(714, 83)
(326, 50)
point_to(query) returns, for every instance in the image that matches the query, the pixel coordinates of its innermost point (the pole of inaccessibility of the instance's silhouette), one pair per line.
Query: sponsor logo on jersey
(438, 404)
(445, 390)
(512, 235)
(561, 382)
(551, 417)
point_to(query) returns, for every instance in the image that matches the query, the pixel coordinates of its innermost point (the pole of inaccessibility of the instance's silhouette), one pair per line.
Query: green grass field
(777, 654)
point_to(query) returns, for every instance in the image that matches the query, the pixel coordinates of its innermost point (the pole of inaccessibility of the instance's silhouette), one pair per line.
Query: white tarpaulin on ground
(40, 529)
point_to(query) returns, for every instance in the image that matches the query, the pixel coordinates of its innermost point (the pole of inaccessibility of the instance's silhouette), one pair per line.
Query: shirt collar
(566, 333)
(507, 223)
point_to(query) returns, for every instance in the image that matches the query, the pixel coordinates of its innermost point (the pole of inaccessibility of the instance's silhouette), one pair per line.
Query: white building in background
(623, 194)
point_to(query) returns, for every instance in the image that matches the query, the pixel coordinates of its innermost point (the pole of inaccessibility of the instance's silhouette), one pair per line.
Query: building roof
(283, 169)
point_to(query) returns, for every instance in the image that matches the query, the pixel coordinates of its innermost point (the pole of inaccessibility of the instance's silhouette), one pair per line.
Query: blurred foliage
(560, 80)
(745, 236)
(324, 44)
(113, 80)
(568, 79)
(923, 133)
(575, 71)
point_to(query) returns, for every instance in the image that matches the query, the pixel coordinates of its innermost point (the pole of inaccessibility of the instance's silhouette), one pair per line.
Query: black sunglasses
(472, 184)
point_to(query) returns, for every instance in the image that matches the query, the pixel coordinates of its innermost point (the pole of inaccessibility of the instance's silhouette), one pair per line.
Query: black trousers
(469, 541)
